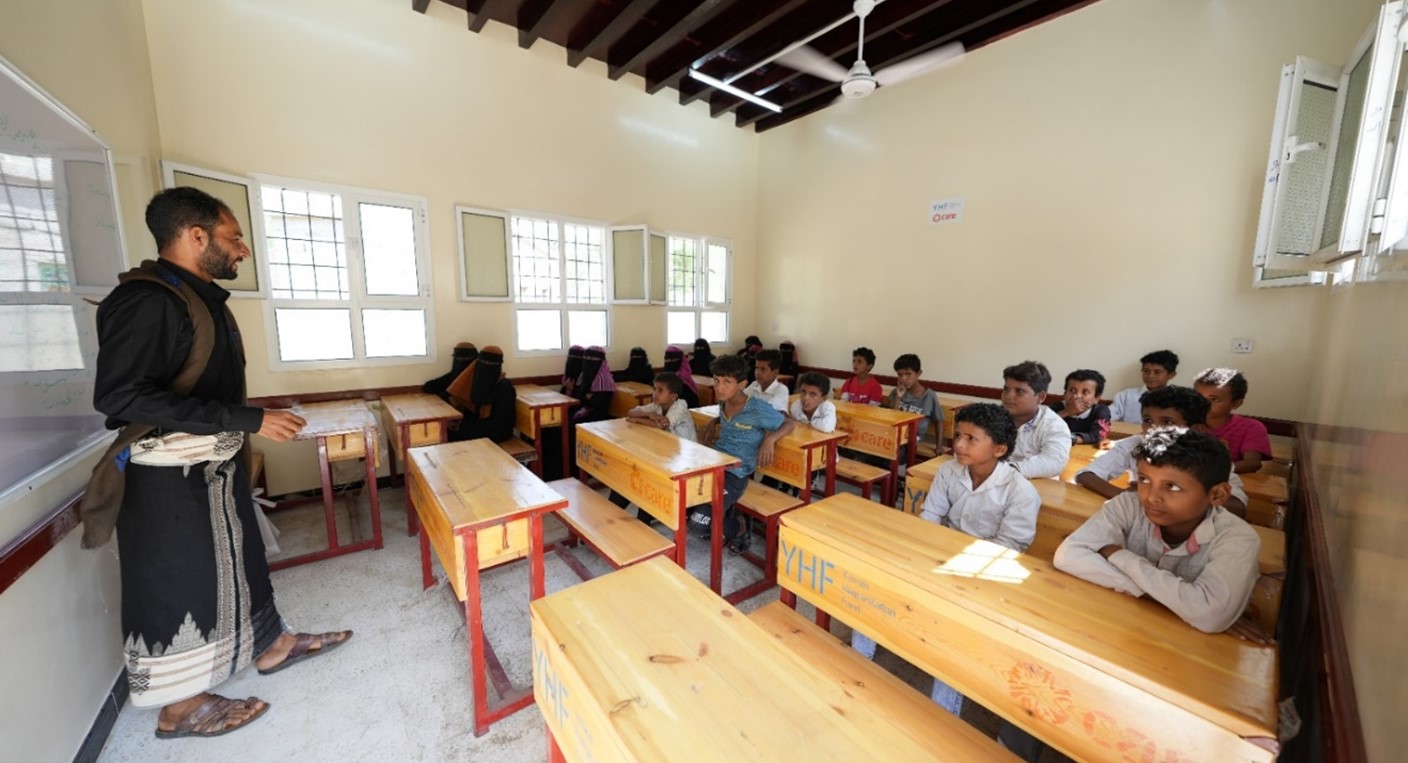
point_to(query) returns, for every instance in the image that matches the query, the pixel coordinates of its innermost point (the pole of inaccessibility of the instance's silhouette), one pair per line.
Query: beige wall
(1111, 161)
(367, 93)
(59, 624)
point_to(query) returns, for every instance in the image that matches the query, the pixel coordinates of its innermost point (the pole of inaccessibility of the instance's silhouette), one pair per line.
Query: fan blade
(920, 64)
(809, 61)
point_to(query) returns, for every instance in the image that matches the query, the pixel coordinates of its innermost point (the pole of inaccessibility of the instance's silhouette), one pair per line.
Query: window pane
(536, 262)
(714, 326)
(682, 272)
(394, 333)
(679, 328)
(389, 249)
(539, 330)
(32, 253)
(587, 327)
(293, 220)
(314, 334)
(717, 283)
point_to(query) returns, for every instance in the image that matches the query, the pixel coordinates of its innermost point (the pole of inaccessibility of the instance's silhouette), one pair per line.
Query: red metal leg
(716, 536)
(326, 468)
(808, 476)
(426, 579)
(830, 469)
(474, 631)
(554, 752)
(823, 620)
(536, 587)
(405, 469)
(538, 441)
(913, 443)
(566, 470)
(370, 440)
(681, 532)
(788, 598)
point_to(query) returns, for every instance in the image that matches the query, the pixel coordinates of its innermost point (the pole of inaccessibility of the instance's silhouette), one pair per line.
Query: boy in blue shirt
(746, 428)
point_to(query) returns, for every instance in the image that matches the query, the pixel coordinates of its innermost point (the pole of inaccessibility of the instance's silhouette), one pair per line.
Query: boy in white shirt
(978, 493)
(1169, 406)
(667, 411)
(765, 386)
(813, 405)
(1157, 369)
(1043, 440)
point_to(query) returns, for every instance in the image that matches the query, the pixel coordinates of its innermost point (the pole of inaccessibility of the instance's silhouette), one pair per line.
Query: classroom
(429, 187)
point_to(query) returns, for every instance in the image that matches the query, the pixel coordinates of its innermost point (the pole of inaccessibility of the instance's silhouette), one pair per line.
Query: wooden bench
(521, 451)
(614, 535)
(766, 505)
(928, 724)
(863, 476)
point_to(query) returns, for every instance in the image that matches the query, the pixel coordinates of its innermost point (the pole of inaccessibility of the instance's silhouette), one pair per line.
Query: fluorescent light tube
(730, 89)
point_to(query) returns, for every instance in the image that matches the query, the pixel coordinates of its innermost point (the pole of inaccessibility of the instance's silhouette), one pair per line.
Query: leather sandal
(303, 648)
(211, 718)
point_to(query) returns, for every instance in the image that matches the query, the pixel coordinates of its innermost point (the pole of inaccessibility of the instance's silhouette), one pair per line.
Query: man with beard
(197, 604)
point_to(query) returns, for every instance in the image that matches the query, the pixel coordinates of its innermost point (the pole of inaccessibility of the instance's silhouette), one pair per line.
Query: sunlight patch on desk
(985, 560)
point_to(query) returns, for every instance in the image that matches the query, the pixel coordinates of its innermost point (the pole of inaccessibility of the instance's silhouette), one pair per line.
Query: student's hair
(1230, 378)
(865, 353)
(1164, 358)
(772, 357)
(1189, 404)
(814, 379)
(1198, 453)
(908, 362)
(730, 366)
(176, 209)
(671, 381)
(1030, 373)
(1087, 374)
(993, 419)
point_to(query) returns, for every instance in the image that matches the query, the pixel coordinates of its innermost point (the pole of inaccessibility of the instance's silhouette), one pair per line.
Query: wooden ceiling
(660, 40)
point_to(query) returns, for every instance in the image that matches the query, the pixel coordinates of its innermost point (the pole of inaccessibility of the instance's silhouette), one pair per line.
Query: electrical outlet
(1242, 346)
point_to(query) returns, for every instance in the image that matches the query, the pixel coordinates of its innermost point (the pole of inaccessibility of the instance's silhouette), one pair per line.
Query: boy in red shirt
(862, 388)
(1245, 438)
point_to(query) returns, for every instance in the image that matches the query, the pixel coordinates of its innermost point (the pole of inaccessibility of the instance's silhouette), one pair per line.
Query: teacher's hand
(280, 425)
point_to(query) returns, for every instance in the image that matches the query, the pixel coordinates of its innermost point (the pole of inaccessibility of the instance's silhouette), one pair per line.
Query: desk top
(1216, 676)
(635, 388)
(478, 485)
(707, 381)
(535, 396)
(334, 418)
(418, 406)
(661, 669)
(802, 435)
(1122, 429)
(876, 413)
(928, 470)
(657, 448)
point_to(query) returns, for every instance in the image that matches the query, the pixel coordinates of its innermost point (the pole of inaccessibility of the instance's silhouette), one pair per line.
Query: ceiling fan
(858, 81)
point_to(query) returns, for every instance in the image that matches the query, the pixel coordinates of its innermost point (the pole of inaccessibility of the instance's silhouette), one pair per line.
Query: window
(348, 276)
(697, 289)
(32, 252)
(559, 277)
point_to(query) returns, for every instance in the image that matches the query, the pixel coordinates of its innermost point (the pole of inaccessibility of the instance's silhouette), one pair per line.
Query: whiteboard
(60, 241)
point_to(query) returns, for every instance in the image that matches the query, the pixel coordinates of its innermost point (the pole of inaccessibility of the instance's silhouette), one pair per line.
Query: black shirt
(144, 335)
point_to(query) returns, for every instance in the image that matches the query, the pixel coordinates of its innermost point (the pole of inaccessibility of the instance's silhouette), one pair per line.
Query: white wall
(60, 641)
(1111, 161)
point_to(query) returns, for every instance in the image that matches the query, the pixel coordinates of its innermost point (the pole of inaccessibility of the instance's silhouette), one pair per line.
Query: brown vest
(103, 498)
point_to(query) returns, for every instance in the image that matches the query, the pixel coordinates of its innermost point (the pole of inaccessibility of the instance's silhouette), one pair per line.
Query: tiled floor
(399, 690)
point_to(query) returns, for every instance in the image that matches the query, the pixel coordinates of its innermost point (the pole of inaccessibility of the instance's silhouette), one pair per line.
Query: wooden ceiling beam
(1027, 12)
(584, 43)
(420, 6)
(725, 31)
(532, 16)
(619, 61)
(477, 17)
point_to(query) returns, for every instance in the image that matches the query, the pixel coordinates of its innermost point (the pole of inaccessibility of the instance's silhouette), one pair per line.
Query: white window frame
(702, 303)
(460, 211)
(562, 306)
(254, 237)
(358, 299)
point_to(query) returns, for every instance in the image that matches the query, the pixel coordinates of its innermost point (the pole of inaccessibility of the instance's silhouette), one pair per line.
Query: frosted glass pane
(485, 253)
(539, 330)
(717, 283)
(714, 327)
(628, 264)
(679, 328)
(394, 333)
(587, 327)
(657, 269)
(314, 334)
(389, 249)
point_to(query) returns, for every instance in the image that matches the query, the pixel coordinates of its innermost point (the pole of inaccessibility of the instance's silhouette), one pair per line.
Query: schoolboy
(765, 385)
(1157, 369)
(862, 388)
(667, 409)
(912, 396)
(1169, 406)
(746, 428)
(1081, 409)
(1245, 438)
(978, 493)
(1043, 440)
(812, 406)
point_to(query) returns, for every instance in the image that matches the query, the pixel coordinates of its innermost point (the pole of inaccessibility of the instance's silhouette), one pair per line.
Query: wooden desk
(661, 473)
(1266, 486)
(416, 419)
(1122, 429)
(645, 664)
(951, 404)
(879, 432)
(479, 508)
(917, 480)
(629, 395)
(538, 408)
(344, 430)
(799, 455)
(705, 386)
(1081, 456)
(1095, 673)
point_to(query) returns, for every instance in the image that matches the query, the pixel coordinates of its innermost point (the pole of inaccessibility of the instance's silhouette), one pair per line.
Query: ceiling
(660, 40)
